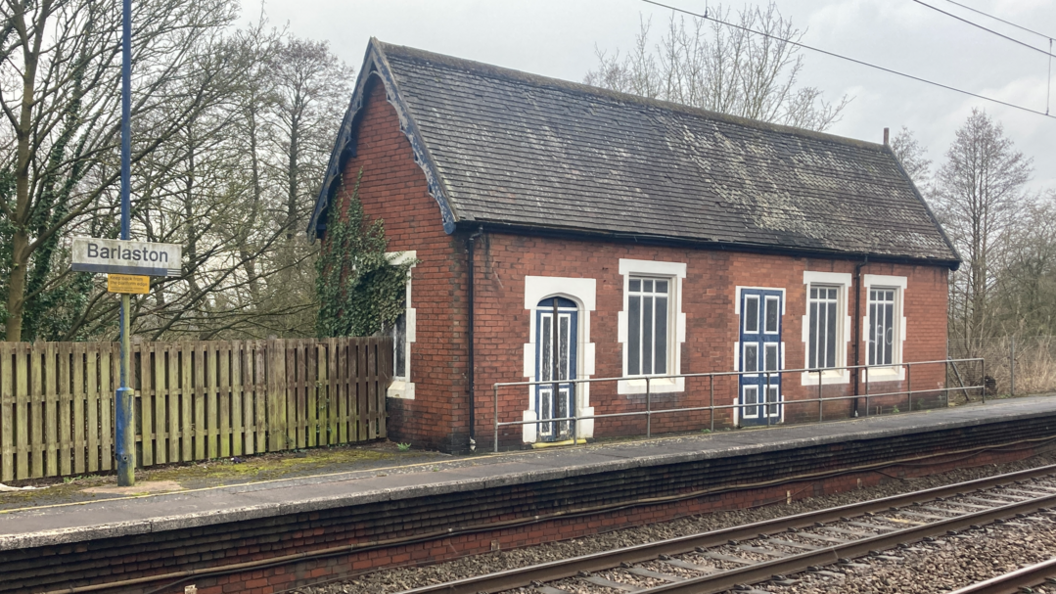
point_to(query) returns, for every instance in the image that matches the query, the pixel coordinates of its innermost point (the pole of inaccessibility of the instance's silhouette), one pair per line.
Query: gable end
(375, 64)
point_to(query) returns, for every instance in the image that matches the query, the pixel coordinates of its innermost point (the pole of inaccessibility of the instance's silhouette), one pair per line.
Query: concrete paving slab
(36, 525)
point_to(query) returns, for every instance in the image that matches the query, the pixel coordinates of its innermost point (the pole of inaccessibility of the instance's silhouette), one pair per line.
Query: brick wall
(708, 297)
(394, 189)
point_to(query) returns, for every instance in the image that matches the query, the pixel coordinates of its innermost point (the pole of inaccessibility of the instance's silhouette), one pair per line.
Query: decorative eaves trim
(375, 63)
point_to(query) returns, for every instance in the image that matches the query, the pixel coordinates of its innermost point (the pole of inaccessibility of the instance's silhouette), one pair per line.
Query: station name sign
(126, 257)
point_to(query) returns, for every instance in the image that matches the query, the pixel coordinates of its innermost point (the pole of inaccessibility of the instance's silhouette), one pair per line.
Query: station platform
(340, 523)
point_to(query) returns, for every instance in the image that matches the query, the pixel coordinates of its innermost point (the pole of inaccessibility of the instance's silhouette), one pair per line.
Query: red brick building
(664, 240)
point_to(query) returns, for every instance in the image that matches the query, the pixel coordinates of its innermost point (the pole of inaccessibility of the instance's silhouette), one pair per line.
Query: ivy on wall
(360, 291)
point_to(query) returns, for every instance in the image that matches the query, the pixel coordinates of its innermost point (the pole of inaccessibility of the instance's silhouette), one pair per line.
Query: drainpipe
(858, 326)
(470, 241)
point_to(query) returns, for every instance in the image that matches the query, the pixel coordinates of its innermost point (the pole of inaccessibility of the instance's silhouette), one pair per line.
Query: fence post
(495, 389)
(7, 422)
(276, 391)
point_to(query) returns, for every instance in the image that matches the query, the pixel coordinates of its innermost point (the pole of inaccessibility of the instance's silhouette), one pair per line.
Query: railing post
(575, 413)
(1012, 367)
(648, 409)
(866, 390)
(946, 382)
(982, 364)
(909, 386)
(711, 411)
(821, 403)
(495, 388)
(766, 400)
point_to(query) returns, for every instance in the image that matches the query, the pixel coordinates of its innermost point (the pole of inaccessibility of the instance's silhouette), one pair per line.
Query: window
(770, 360)
(751, 396)
(647, 326)
(652, 327)
(399, 343)
(881, 326)
(403, 336)
(773, 313)
(751, 357)
(826, 327)
(821, 348)
(751, 314)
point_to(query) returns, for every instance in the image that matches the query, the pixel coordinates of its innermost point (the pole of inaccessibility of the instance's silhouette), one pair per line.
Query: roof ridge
(486, 69)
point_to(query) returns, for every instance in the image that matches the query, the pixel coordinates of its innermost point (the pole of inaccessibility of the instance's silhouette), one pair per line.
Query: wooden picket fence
(194, 400)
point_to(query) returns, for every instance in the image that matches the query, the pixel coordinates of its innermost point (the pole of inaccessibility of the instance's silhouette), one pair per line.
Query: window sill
(828, 377)
(656, 386)
(401, 389)
(892, 373)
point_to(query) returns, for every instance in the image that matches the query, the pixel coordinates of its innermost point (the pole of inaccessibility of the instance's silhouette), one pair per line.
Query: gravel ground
(940, 566)
(398, 579)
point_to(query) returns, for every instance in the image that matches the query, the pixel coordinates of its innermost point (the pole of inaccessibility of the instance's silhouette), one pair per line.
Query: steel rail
(720, 582)
(554, 570)
(1014, 581)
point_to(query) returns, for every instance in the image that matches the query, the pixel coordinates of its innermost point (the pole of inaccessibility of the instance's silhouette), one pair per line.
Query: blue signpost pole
(124, 418)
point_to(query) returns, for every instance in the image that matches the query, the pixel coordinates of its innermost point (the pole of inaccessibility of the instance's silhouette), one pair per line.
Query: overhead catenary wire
(1048, 84)
(1001, 20)
(987, 29)
(1044, 114)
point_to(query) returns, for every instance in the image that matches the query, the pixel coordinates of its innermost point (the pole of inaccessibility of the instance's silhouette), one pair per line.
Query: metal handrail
(765, 404)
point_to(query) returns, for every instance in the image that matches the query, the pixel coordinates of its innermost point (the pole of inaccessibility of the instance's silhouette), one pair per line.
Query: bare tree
(1025, 288)
(703, 63)
(978, 192)
(310, 86)
(231, 130)
(914, 158)
(59, 77)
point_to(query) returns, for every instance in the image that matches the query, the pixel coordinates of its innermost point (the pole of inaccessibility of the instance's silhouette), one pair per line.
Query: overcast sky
(558, 38)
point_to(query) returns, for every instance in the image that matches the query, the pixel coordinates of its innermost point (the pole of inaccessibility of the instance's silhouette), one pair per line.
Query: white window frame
(675, 272)
(583, 292)
(766, 307)
(842, 282)
(896, 371)
(402, 387)
(758, 315)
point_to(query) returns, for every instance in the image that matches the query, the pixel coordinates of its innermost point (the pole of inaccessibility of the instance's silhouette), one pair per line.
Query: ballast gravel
(941, 566)
(934, 570)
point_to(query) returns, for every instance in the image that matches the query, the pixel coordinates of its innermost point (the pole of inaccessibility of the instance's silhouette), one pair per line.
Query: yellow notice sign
(128, 283)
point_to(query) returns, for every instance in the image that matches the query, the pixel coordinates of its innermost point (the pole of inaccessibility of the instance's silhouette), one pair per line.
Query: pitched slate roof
(501, 147)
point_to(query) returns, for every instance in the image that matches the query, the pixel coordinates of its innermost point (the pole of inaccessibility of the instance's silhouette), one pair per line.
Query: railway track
(733, 558)
(1014, 582)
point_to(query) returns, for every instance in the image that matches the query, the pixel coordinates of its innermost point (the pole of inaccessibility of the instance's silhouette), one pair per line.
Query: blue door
(556, 324)
(760, 352)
